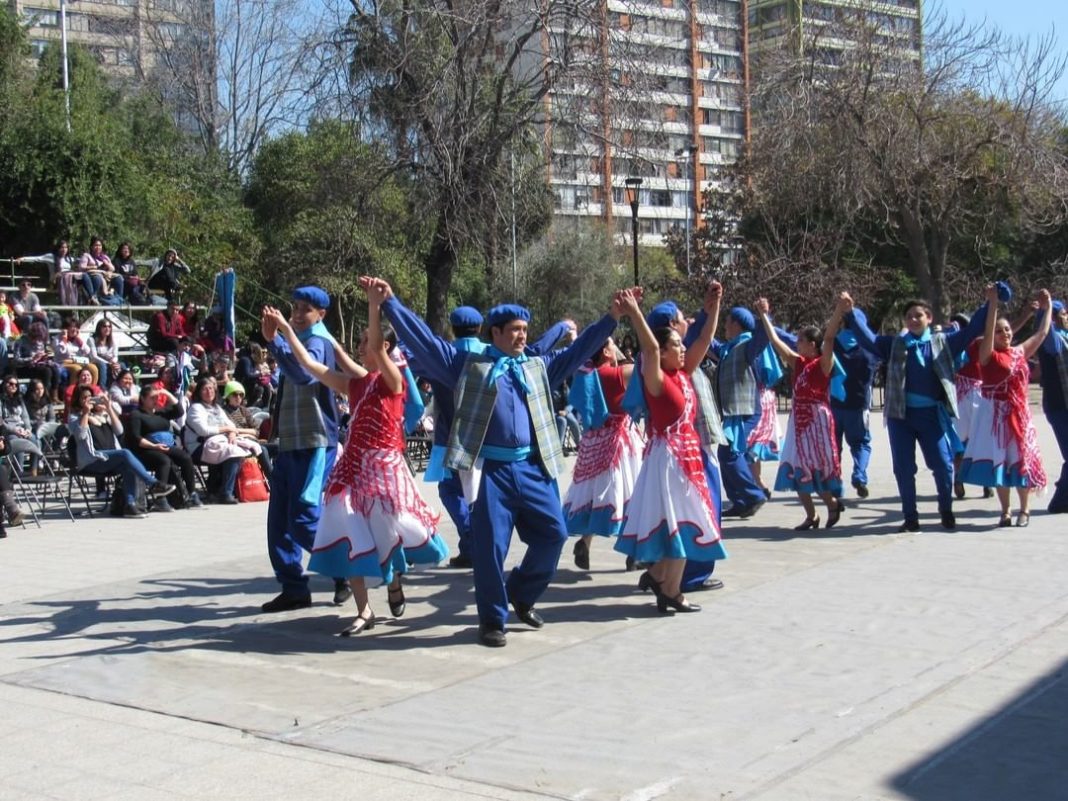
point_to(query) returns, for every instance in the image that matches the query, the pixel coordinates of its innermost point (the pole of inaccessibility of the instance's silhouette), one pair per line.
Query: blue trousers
(1058, 421)
(921, 426)
(514, 495)
(852, 424)
(291, 523)
(697, 573)
(738, 481)
(451, 493)
(127, 465)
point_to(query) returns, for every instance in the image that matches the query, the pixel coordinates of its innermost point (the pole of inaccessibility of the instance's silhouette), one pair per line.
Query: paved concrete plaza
(852, 664)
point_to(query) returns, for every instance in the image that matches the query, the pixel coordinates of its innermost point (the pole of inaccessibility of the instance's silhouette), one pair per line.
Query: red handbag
(251, 485)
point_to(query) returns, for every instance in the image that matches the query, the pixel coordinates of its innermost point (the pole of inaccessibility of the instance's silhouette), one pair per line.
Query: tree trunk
(440, 263)
(919, 257)
(937, 252)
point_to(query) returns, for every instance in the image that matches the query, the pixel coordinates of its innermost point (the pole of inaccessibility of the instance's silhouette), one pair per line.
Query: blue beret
(743, 317)
(465, 317)
(1004, 291)
(662, 315)
(1058, 306)
(314, 295)
(506, 312)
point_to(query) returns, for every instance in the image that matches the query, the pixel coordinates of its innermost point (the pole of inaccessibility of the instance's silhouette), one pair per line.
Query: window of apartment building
(169, 30)
(78, 23)
(661, 198)
(125, 57)
(116, 26)
(41, 17)
(108, 56)
(165, 5)
(37, 46)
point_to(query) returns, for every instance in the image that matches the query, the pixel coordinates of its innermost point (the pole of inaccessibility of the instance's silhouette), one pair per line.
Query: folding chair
(76, 476)
(35, 489)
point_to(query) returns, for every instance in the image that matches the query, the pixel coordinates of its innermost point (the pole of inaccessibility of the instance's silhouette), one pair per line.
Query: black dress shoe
(491, 637)
(949, 521)
(342, 592)
(287, 603)
(709, 584)
(397, 604)
(581, 554)
(630, 565)
(861, 488)
(460, 561)
(910, 526)
(664, 604)
(528, 614)
(737, 510)
(749, 511)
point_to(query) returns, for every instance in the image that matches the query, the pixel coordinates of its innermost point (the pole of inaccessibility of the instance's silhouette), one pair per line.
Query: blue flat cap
(1004, 291)
(465, 317)
(314, 295)
(662, 315)
(743, 317)
(506, 312)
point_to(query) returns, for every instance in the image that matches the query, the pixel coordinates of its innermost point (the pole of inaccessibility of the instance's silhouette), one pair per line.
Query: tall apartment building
(123, 34)
(691, 119)
(793, 23)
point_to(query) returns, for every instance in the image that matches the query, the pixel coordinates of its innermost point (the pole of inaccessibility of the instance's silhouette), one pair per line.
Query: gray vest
(895, 376)
(709, 425)
(736, 385)
(475, 399)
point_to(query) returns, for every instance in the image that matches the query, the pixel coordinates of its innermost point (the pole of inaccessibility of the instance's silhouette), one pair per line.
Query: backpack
(251, 485)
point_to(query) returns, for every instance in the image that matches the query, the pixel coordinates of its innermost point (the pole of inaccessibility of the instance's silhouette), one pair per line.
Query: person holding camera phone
(96, 429)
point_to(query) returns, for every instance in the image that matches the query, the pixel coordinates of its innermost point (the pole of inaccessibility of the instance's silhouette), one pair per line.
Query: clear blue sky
(1034, 18)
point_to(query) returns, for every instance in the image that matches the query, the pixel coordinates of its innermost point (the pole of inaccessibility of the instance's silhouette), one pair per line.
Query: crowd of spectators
(152, 412)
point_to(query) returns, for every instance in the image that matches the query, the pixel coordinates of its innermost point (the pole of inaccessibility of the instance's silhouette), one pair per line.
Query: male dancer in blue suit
(1053, 358)
(504, 418)
(921, 399)
(466, 324)
(306, 427)
(851, 413)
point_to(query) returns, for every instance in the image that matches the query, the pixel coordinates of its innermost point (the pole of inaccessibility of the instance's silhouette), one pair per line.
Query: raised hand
(990, 293)
(268, 324)
(378, 290)
(714, 291)
(762, 306)
(845, 303)
(1045, 300)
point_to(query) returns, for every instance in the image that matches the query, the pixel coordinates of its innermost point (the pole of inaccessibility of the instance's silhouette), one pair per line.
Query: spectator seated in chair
(150, 435)
(72, 351)
(125, 393)
(95, 429)
(33, 357)
(104, 353)
(83, 378)
(247, 422)
(165, 329)
(212, 439)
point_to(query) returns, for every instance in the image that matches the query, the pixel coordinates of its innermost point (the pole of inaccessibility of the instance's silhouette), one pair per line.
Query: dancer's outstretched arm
(335, 379)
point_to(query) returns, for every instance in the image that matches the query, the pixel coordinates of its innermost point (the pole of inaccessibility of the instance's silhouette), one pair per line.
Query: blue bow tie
(913, 342)
(508, 364)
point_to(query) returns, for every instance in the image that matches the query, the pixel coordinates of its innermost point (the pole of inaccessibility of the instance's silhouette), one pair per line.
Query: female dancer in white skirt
(609, 455)
(809, 464)
(671, 515)
(374, 521)
(1002, 450)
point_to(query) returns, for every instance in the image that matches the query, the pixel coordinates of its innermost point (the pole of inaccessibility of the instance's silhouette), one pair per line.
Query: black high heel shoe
(396, 607)
(361, 623)
(834, 516)
(646, 582)
(663, 604)
(810, 523)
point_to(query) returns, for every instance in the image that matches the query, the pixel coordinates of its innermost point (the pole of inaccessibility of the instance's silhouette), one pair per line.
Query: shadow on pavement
(1019, 751)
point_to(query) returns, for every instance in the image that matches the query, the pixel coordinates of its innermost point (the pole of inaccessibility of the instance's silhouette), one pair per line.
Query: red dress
(809, 461)
(671, 513)
(608, 461)
(1002, 450)
(374, 521)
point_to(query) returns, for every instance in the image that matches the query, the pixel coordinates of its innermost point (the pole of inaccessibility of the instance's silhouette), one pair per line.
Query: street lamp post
(633, 185)
(688, 156)
(63, 44)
